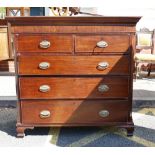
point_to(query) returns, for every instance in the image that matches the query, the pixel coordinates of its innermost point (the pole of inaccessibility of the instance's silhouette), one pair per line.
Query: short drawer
(102, 43)
(73, 87)
(74, 65)
(73, 111)
(44, 43)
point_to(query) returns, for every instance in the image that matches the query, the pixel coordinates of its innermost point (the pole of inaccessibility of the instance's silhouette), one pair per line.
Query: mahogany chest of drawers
(74, 71)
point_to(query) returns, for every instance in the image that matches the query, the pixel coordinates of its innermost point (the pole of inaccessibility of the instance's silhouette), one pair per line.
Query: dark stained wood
(73, 29)
(7, 67)
(73, 65)
(73, 87)
(72, 24)
(73, 98)
(3, 22)
(21, 129)
(31, 43)
(73, 20)
(74, 111)
(130, 130)
(116, 43)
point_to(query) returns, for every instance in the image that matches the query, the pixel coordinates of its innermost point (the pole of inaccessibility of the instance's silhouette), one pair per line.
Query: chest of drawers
(74, 71)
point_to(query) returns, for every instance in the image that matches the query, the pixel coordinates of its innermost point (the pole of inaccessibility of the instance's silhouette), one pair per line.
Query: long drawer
(73, 111)
(73, 65)
(44, 43)
(73, 87)
(102, 43)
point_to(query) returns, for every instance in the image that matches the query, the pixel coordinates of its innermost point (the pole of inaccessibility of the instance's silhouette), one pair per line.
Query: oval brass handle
(103, 88)
(45, 114)
(104, 113)
(44, 65)
(45, 44)
(102, 66)
(102, 44)
(44, 88)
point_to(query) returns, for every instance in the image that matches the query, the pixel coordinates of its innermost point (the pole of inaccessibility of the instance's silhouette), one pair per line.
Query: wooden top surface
(76, 20)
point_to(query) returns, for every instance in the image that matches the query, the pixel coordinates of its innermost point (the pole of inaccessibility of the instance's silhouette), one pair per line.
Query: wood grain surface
(74, 111)
(67, 87)
(73, 65)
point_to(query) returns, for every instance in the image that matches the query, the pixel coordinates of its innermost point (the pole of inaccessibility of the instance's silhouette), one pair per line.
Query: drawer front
(44, 43)
(102, 43)
(73, 111)
(73, 65)
(65, 87)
